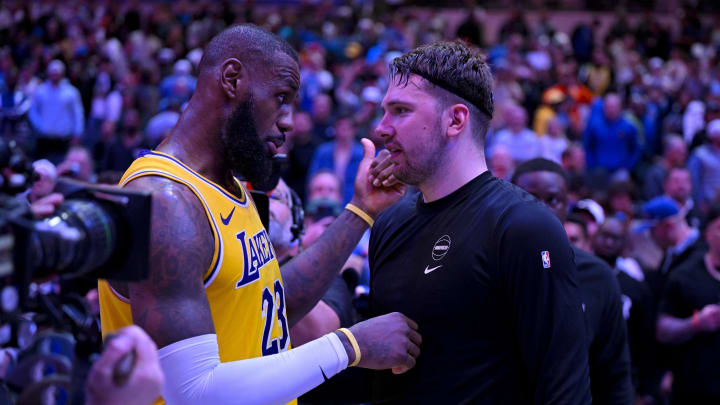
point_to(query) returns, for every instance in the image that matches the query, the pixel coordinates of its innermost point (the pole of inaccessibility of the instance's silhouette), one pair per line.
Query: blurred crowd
(631, 112)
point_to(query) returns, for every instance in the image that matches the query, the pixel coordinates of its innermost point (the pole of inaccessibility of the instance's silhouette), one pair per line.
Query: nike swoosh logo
(323, 373)
(428, 269)
(226, 221)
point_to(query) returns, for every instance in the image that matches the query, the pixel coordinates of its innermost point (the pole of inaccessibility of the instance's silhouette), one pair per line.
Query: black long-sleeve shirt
(609, 357)
(487, 273)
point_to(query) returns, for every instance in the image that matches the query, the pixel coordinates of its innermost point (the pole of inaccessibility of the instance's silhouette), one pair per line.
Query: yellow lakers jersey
(243, 283)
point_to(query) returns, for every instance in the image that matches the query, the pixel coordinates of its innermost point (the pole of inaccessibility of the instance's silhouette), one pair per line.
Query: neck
(461, 165)
(195, 140)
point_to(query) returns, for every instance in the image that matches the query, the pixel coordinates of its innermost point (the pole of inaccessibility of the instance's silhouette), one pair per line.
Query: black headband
(462, 93)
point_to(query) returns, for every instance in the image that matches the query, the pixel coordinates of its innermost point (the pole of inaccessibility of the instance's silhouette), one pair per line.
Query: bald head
(246, 42)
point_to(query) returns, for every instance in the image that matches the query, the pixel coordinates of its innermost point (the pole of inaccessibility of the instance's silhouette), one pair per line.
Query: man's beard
(426, 161)
(243, 148)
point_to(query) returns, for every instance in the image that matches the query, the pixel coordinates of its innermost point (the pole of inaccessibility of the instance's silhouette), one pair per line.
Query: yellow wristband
(354, 345)
(362, 214)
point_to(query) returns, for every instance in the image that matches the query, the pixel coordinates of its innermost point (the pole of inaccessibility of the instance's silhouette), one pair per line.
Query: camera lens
(80, 236)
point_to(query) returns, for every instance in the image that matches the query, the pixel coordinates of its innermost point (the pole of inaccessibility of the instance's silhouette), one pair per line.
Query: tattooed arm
(308, 276)
(181, 250)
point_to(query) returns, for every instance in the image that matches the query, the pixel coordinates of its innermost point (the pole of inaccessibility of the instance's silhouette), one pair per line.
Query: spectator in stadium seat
(520, 140)
(678, 186)
(704, 165)
(673, 235)
(611, 142)
(341, 156)
(638, 306)
(608, 349)
(56, 114)
(689, 321)
(674, 155)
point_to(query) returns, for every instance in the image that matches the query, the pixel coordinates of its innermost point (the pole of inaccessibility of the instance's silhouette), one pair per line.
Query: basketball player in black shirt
(485, 269)
(609, 358)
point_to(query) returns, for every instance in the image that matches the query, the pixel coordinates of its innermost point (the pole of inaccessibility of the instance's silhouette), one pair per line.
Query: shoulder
(518, 209)
(181, 236)
(174, 204)
(690, 269)
(396, 214)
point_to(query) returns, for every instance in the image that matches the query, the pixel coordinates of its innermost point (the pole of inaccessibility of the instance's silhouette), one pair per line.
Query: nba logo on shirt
(545, 259)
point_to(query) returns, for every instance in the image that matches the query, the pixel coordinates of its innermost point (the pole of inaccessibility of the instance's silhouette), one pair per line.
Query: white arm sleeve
(194, 374)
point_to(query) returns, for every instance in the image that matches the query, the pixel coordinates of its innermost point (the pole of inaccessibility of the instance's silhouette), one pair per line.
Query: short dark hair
(539, 165)
(577, 219)
(456, 73)
(242, 40)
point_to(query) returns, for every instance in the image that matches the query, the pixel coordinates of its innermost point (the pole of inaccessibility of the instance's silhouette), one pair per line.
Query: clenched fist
(387, 341)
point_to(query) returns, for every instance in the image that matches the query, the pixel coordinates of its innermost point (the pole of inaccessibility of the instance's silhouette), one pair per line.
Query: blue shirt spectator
(341, 156)
(704, 166)
(56, 110)
(610, 140)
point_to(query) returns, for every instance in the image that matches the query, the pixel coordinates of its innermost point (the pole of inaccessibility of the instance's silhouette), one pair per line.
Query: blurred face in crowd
(712, 235)
(257, 125)
(516, 118)
(325, 185)
(55, 72)
(573, 160)
(577, 235)
(678, 185)
(345, 130)
(411, 130)
(501, 163)
(612, 107)
(676, 153)
(549, 188)
(322, 107)
(303, 124)
(609, 240)
(621, 202)
(663, 233)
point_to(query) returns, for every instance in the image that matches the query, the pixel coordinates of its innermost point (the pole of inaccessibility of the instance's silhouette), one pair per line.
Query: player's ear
(233, 78)
(459, 117)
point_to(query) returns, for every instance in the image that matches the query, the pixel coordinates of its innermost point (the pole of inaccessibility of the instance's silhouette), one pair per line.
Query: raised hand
(388, 341)
(370, 198)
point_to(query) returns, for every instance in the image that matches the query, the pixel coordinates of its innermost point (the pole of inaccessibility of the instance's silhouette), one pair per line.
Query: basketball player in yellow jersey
(216, 303)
